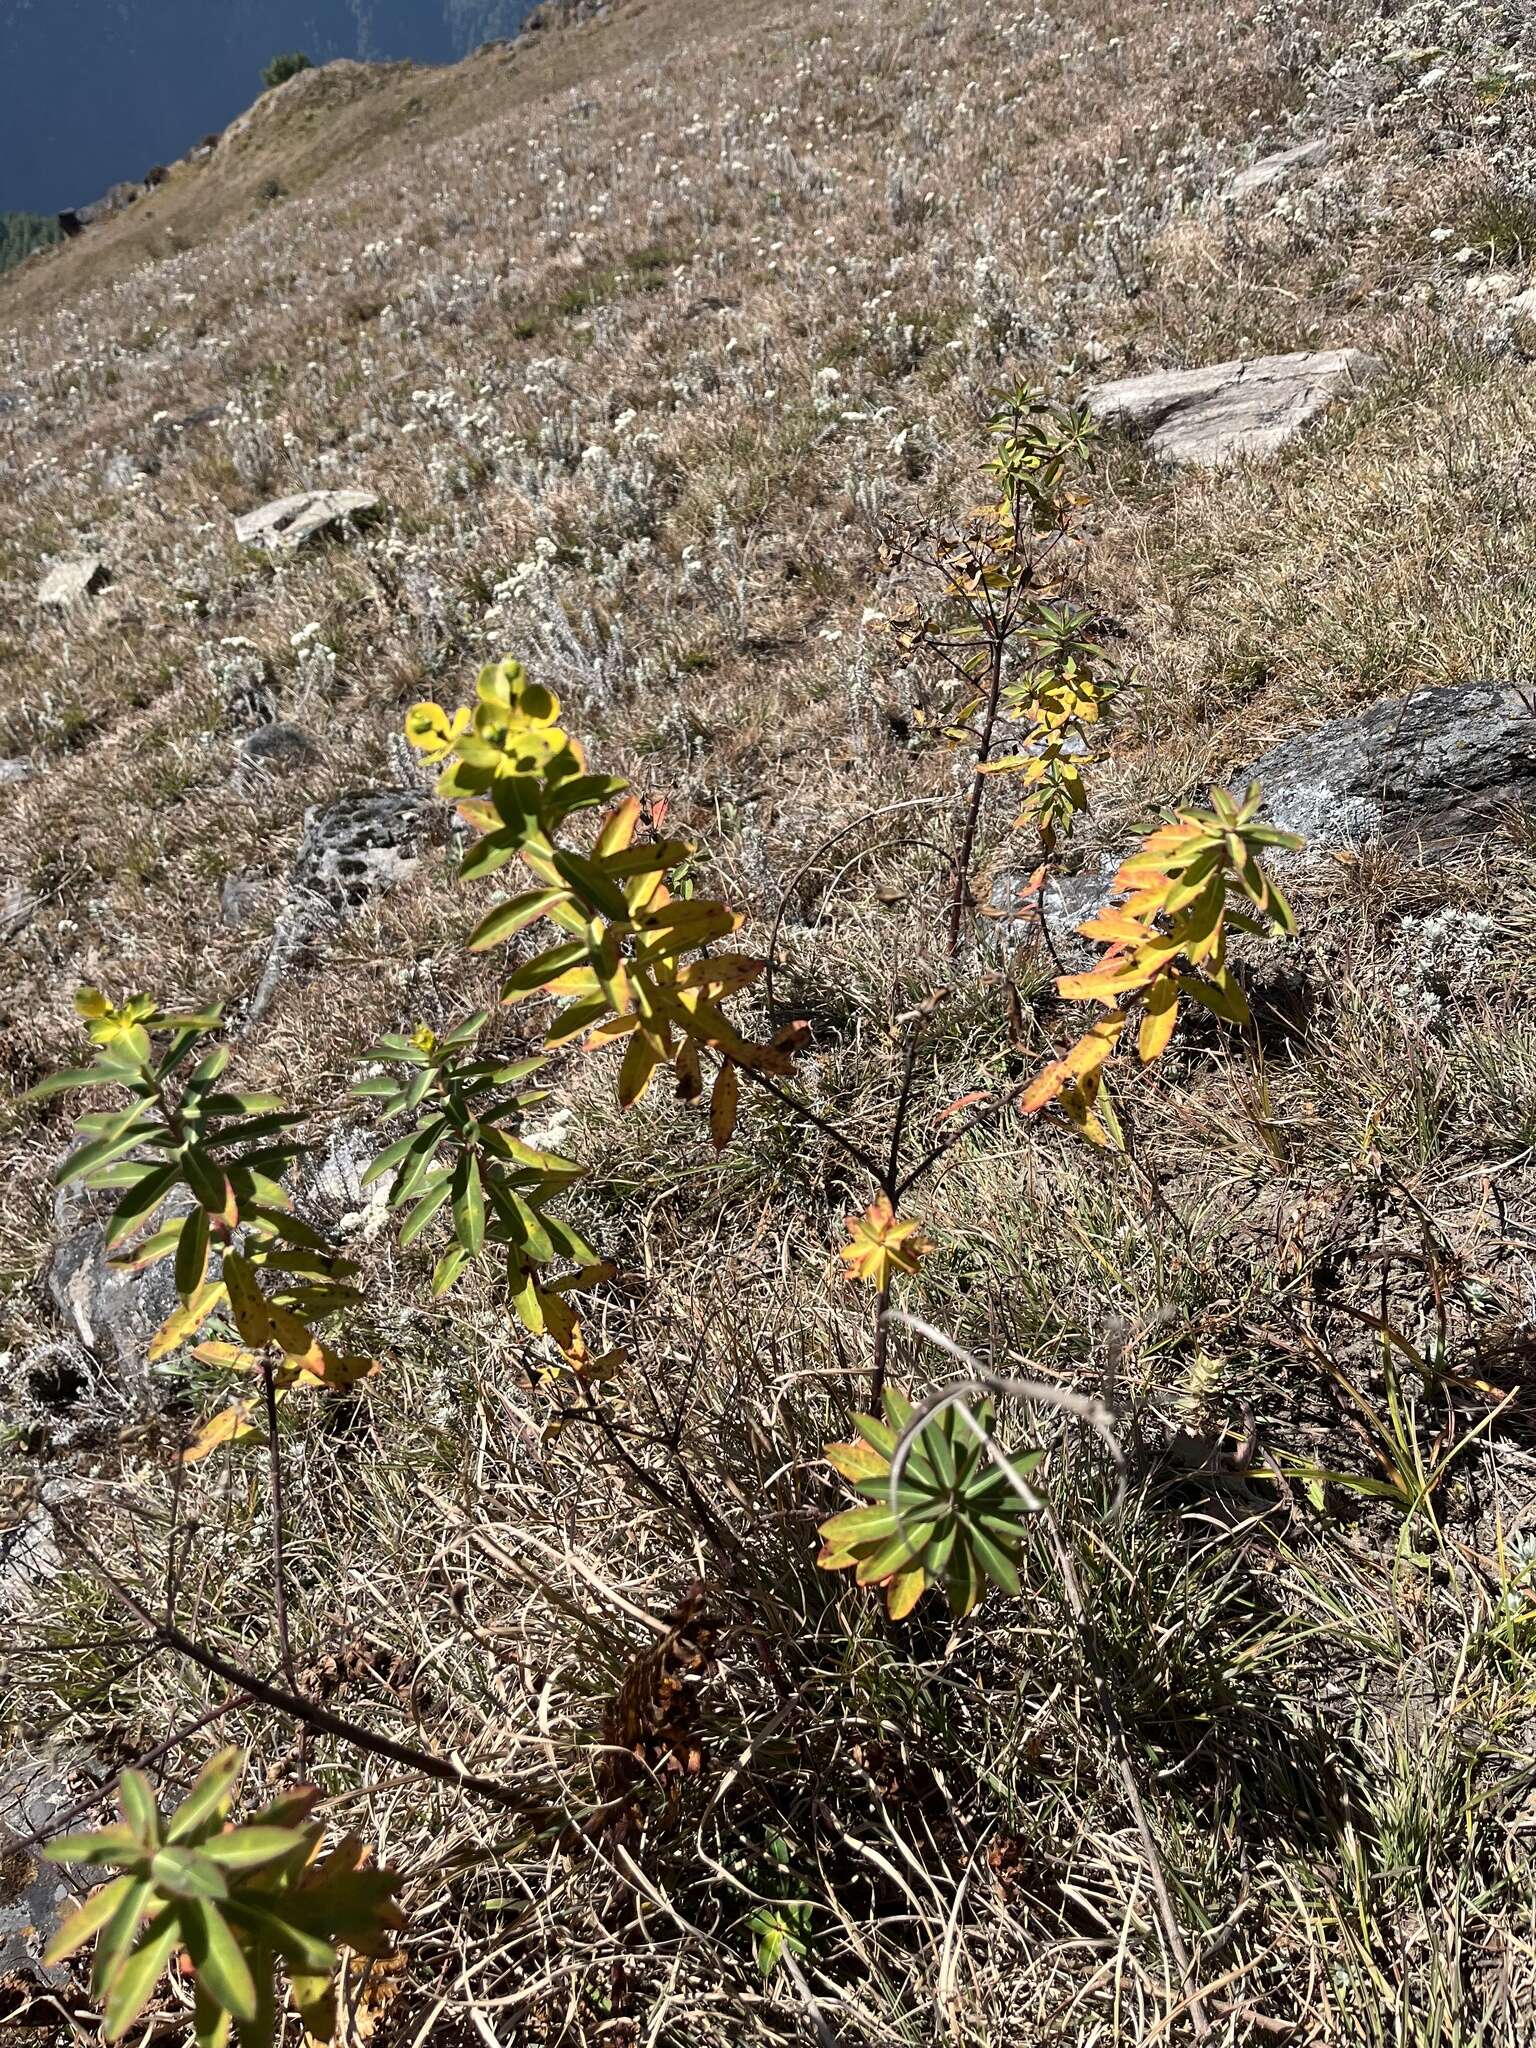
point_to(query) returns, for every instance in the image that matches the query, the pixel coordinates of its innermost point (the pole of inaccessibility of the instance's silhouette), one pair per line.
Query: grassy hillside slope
(641, 334)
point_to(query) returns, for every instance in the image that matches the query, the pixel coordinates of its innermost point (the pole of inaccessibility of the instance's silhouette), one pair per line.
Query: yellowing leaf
(232, 1357)
(337, 1369)
(300, 1345)
(690, 1074)
(431, 732)
(247, 1303)
(857, 1460)
(618, 828)
(724, 1102)
(227, 1427)
(185, 1321)
(1083, 1058)
(883, 1245)
(1158, 1018)
(641, 1059)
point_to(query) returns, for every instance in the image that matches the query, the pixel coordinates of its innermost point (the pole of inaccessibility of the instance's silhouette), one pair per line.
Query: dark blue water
(92, 91)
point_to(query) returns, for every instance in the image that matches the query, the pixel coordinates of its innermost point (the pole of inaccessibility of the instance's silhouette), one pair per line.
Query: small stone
(1499, 286)
(1276, 168)
(17, 910)
(239, 897)
(71, 581)
(16, 769)
(287, 523)
(36, 1792)
(277, 749)
(1228, 412)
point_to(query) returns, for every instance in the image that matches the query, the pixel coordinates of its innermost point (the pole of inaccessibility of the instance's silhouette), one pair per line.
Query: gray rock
(277, 749)
(71, 581)
(1066, 901)
(35, 1794)
(29, 1555)
(1228, 412)
(358, 845)
(123, 471)
(59, 1395)
(287, 523)
(15, 770)
(333, 1186)
(1276, 168)
(1433, 768)
(112, 1314)
(17, 910)
(239, 896)
(353, 849)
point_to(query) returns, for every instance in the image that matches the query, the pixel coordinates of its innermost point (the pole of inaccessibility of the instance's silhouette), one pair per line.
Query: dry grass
(637, 336)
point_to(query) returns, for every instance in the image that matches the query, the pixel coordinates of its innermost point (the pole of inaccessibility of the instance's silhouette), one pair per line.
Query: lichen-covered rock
(359, 844)
(353, 849)
(1440, 765)
(287, 523)
(112, 1314)
(1230, 412)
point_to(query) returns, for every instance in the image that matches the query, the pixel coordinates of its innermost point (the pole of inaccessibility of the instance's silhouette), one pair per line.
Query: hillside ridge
(751, 555)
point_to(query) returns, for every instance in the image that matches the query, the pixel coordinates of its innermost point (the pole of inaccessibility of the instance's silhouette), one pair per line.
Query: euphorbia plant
(247, 1905)
(1165, 938)
(945, 1509)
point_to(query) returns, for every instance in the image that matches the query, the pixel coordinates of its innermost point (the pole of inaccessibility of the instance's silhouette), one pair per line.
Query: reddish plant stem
(967, 846)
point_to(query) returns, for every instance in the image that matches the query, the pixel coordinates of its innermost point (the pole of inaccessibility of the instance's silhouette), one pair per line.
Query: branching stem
(320, 1720)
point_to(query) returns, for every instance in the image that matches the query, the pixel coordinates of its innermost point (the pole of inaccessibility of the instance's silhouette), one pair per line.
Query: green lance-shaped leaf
(192, 1254)
(209, 1799)
(140, 1203)
(221, 1968)
(469, 1204)
(133, 1981)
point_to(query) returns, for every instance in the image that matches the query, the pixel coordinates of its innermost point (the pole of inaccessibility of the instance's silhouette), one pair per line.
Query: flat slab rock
(1065, 902)
(288, 522)
(70, 582)
(1275, 168)
(1231, 412)
(1432, 768)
